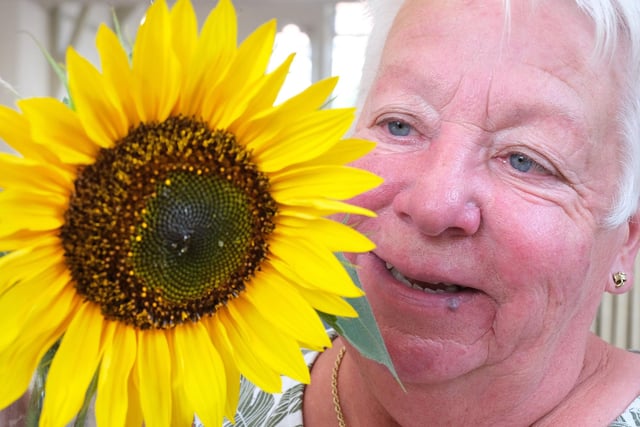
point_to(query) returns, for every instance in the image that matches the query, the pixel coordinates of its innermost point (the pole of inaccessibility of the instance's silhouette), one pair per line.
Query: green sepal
(124, 42)
(362, 332)
(58, 69)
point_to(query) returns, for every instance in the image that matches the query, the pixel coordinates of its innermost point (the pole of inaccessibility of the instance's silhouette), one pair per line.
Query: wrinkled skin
(498, 149)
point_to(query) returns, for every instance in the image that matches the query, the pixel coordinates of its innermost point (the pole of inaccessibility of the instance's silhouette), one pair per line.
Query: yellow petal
(134, 408)
(309, 208)
(264, 99)
(203, 372)
(311, 99)
(279, 351)
(26, 174)
(325, 272)
(254, 53)
(182, 411)
(26, 263)
(279, 301)
(155, 67)
(73, 366)
(327, 302)
(330, 234)
(55, 126)
(15, 130)
(113, 382)
(222, 345)
(250, 365)
(263, 126)
(40, 291)
(220, 31)
(309, 137)
(18, 239)
(228, 102)
(331, 182)
(19, 361)
(117, 72)
(154, 376)
(185, 33)
(345, 151)
(97, 106)
(30, 211)
(270, 121)
(215, 50)
(185, 42)
(253, 128)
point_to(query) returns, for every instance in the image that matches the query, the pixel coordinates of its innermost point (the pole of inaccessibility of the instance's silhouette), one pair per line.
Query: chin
(419, 360)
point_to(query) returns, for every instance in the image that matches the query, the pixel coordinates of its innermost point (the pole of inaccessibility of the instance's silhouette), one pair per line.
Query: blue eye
(521, 162)
(398, 128)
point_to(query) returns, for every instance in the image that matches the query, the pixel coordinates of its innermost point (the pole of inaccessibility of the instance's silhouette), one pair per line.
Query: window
(292, 39)
(352, 26)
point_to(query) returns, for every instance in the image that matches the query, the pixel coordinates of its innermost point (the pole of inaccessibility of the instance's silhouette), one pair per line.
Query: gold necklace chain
(334, 387)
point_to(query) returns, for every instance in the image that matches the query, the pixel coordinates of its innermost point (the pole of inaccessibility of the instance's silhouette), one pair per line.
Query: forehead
(539, 51)
(526, 29)
(500, 12)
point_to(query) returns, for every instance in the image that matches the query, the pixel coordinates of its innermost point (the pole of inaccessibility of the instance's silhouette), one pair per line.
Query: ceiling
(245, 3)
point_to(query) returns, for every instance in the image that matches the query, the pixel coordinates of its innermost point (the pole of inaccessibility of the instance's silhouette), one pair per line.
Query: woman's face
(498, 146)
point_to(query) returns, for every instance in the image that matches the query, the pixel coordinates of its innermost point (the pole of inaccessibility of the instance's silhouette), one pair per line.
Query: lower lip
(399, 291)
(427, 331)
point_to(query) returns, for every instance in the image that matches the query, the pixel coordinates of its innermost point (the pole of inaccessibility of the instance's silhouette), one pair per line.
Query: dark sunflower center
(193, 236)
(168, 224)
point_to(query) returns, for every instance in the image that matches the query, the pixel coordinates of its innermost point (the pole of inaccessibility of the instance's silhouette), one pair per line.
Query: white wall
(22, 65)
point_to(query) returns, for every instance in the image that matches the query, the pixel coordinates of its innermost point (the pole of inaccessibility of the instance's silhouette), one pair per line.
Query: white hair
(617, 32)
(383, 13)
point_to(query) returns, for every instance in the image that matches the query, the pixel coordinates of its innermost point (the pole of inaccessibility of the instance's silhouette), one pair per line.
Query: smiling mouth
(429, 288)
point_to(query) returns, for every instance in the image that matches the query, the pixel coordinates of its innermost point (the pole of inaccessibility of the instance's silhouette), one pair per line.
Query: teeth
(441, 287)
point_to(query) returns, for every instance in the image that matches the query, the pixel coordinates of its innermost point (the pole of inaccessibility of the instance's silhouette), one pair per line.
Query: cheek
(546, 266)
(388, 168)
(547, 258)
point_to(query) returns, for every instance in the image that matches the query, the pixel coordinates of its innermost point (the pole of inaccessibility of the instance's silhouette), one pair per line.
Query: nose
(440, 193)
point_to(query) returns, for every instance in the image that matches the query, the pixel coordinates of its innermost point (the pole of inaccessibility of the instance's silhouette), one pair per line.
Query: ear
(626, 259)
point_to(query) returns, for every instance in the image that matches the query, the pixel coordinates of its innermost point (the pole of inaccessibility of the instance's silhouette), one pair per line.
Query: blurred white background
(328, 37)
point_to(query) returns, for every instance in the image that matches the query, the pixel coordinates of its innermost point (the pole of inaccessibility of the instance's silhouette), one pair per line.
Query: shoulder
(630, 417)
(609, 393)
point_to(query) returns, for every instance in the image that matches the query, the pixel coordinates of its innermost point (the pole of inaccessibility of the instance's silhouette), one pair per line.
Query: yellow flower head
(169, 228)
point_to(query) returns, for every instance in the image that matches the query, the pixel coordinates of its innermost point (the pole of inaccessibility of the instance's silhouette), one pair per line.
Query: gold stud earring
(619, 278)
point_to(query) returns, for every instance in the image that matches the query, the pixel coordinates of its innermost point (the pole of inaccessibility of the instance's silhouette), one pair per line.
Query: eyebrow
(418, 90)
(561, 104)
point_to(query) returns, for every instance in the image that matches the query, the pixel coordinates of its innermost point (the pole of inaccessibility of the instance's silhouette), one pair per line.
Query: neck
(483, 397)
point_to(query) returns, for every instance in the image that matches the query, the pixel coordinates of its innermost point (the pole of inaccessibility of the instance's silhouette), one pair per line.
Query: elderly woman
(509, 143)
(509, 140)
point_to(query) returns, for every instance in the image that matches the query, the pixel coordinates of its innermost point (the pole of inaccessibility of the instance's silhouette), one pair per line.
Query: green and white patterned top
(259, 409)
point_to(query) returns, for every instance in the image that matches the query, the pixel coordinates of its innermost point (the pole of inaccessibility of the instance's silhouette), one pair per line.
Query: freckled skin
(496, 149)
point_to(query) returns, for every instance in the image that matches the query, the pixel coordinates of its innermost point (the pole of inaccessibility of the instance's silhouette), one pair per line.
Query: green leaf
(362, 332)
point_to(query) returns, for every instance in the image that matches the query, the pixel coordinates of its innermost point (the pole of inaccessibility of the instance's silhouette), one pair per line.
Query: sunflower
(167, 227)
